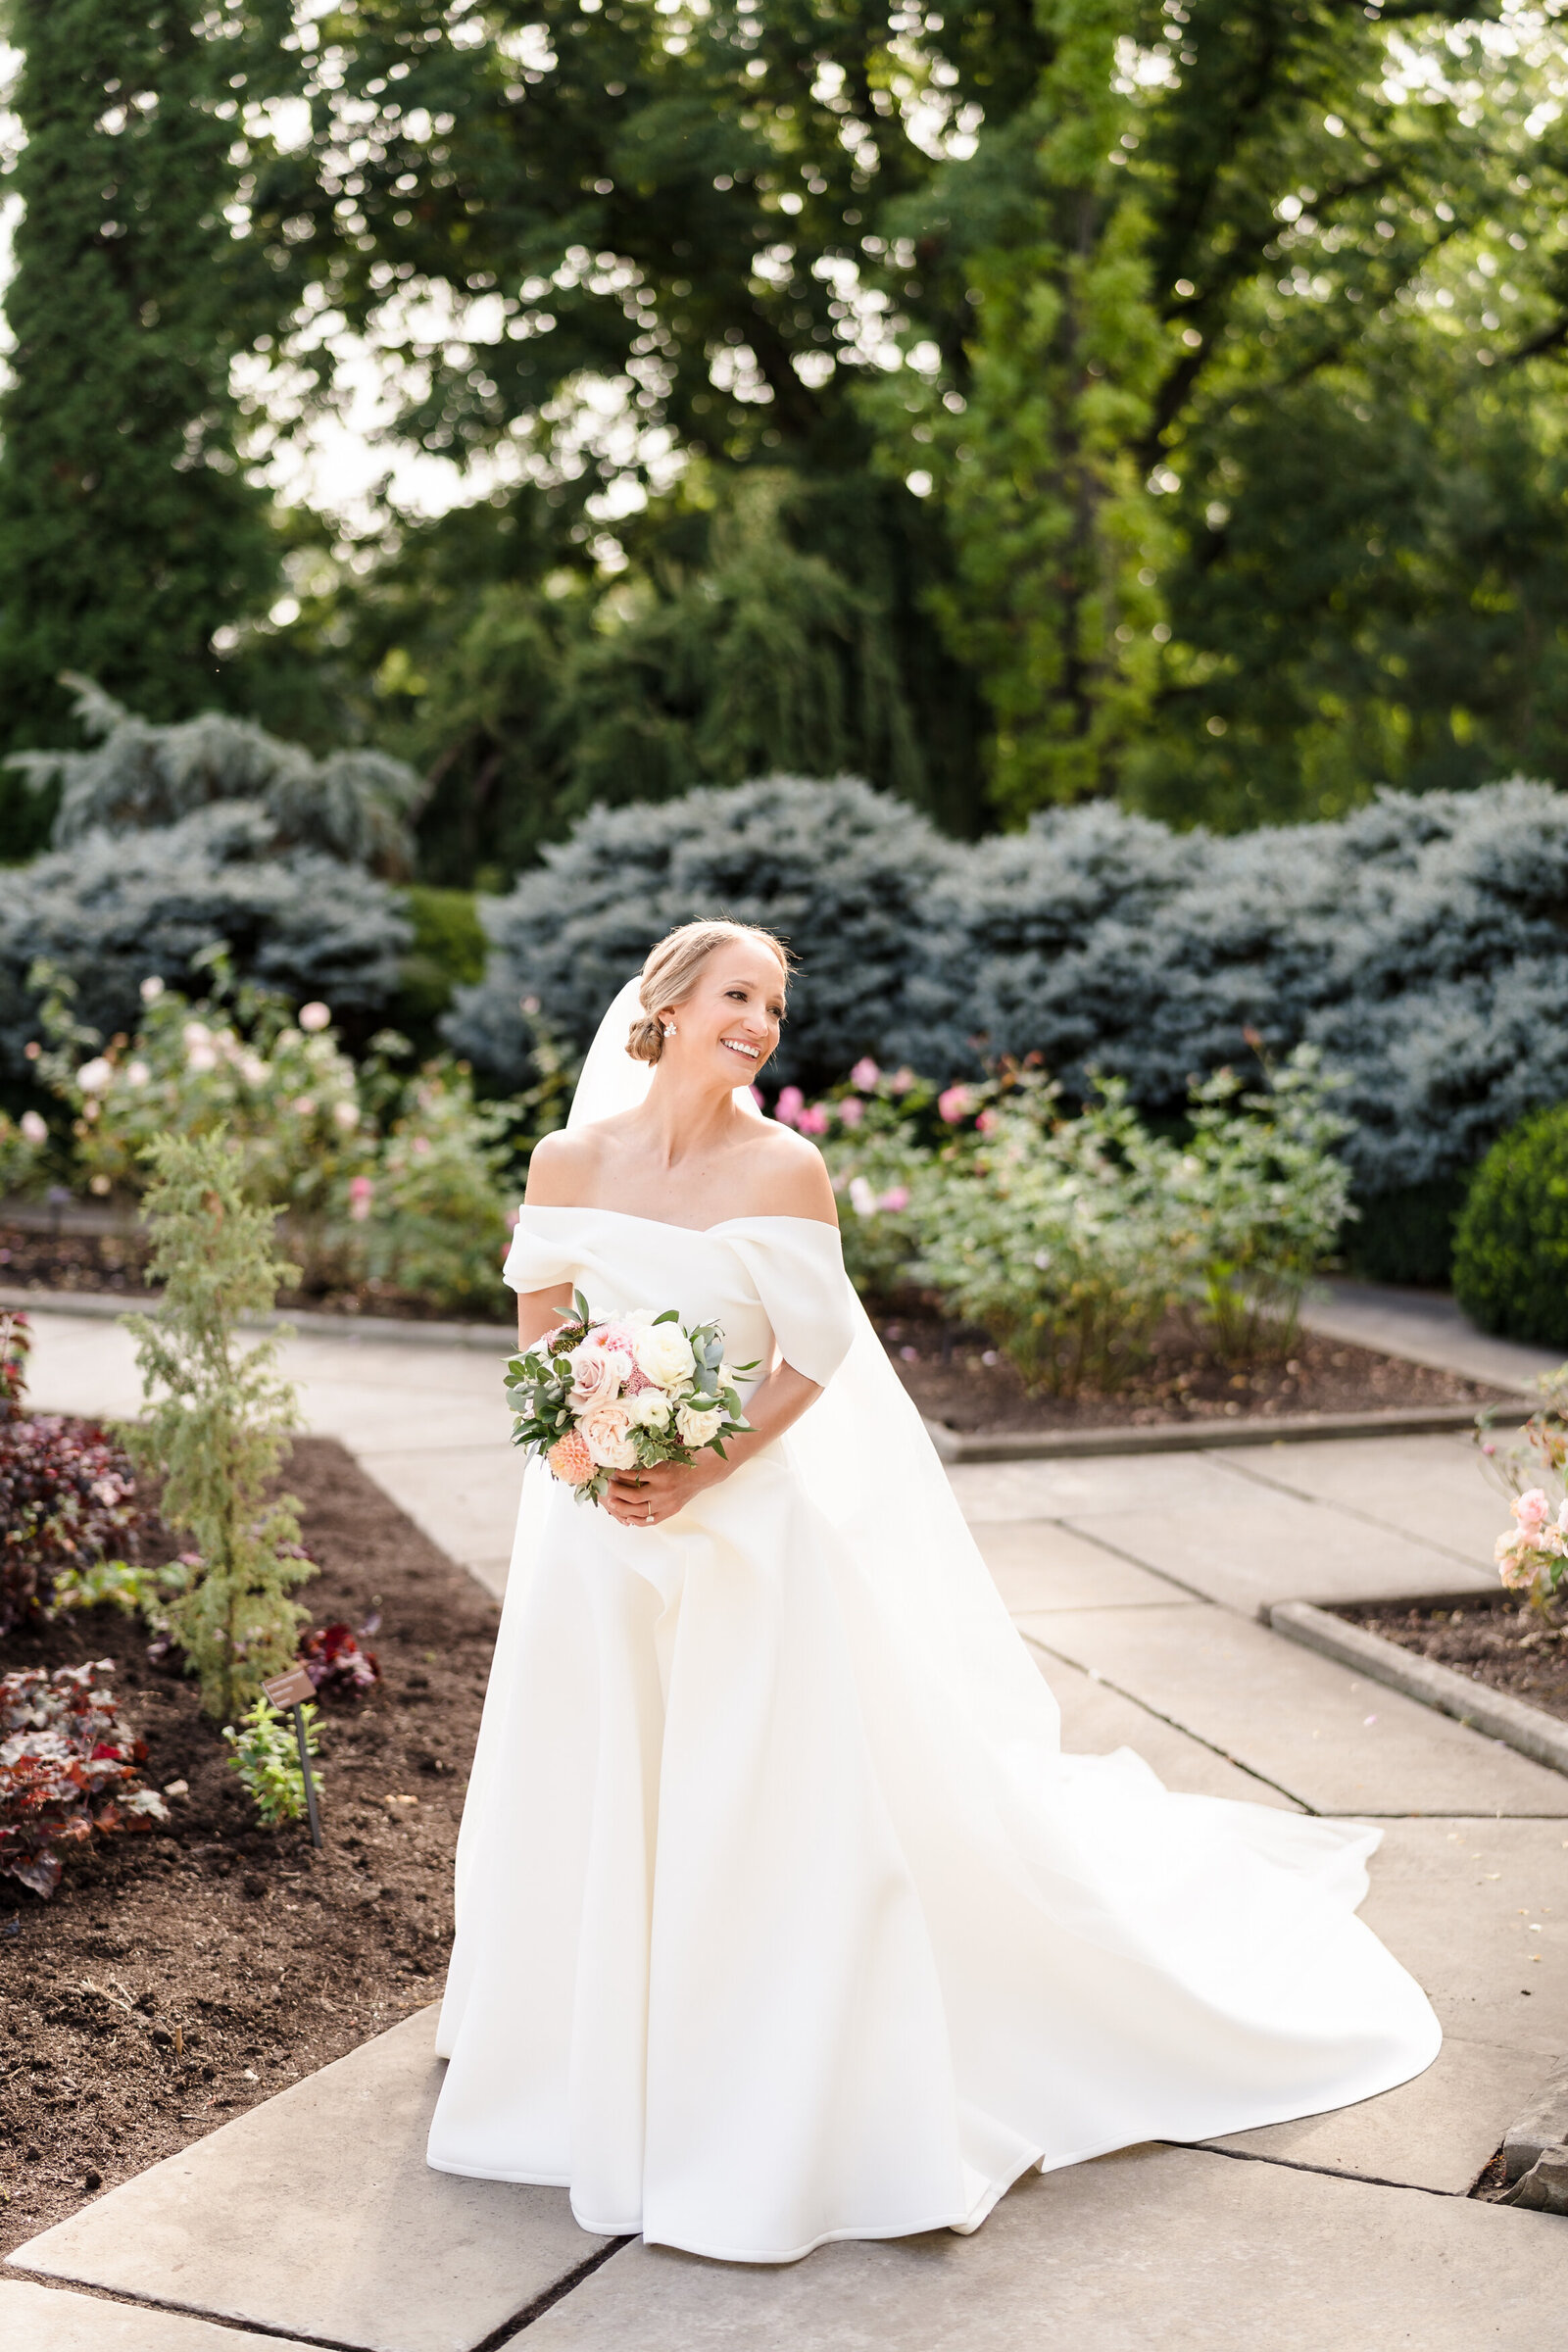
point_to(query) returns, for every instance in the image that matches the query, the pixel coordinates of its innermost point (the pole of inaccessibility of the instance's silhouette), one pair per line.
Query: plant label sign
(292, 1689)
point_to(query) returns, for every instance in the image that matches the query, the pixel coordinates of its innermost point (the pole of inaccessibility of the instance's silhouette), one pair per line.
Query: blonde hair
(671, 969)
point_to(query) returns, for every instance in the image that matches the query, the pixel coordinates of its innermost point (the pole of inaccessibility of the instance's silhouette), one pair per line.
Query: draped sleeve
(797, 1266)
(542, 1257)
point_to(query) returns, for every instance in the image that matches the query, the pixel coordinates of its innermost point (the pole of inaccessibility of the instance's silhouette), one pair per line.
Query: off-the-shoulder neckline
(627, 1216)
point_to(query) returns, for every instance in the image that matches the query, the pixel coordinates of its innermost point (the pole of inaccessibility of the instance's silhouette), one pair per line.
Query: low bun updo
(670, 972)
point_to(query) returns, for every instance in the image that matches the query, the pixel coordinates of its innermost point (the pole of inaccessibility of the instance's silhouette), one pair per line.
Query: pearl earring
(670, 1028)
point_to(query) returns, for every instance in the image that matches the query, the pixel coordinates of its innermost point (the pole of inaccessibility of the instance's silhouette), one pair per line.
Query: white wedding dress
(781, 1915)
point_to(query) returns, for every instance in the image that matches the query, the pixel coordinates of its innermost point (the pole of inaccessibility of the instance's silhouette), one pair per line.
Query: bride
(781, 1915)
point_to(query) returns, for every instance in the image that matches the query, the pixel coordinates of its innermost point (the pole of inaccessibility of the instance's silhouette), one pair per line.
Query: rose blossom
(788, 1106)
(851, 1110)
(1532, 1510)
(313, 1017)
(33, 1127)
(360, 1190)
(897, 1198)
(865, 1074)
(606, 1430)
(93, 1076)
(152, 988)
(814, 1119)
(598, 1373)
(952, 1103)
(664, 1353)
(861, 1197)
(649, 1407)
(695, 1427)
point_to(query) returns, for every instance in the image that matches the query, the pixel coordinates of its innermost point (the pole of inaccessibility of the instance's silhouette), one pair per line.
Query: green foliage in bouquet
(1510, 1256)
(216, 1420)
(266, 1755)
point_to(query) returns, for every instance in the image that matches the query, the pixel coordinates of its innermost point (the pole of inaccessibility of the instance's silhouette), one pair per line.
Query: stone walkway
(1138, 1581)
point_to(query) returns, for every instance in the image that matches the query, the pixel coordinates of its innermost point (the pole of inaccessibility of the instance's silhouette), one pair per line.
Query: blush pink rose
(814, 1119)
(865, 1074)
(851, 1110)
(598, 1373)
(952, 1103)
(605, 1431)
(788, 1106)
(1532, 1510)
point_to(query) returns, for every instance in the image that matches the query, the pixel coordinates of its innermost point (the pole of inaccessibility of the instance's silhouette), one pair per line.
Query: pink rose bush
(1532, 1556)
(602, 1395)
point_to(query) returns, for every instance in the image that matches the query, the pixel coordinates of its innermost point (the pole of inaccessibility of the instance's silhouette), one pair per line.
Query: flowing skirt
(762, 1939)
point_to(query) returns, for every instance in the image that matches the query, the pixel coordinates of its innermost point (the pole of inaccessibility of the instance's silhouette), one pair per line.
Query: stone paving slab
(1040, 1564)
(1434, 1489)
(50, 2318)
(316, 2215)
(1157, 2250)
(1298, 1719)
(1244, 1547)
(1096, 1720)
(1436, 2133)
(1460, 1902)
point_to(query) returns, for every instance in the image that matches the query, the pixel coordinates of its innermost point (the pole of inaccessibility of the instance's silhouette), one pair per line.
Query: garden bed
(1490, 1640)
(110, 1264)
(957, 1376)
(271, 1961)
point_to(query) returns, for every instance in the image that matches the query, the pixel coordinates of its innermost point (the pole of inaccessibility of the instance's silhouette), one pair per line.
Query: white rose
(697, 1428)
(93, 1076)
(664, 1355)
(649, 1408)
(597, 1373)
(605, 1431)
(36, 1131)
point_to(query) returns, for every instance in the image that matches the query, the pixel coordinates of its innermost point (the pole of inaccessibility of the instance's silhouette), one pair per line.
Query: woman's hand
(645, 1498)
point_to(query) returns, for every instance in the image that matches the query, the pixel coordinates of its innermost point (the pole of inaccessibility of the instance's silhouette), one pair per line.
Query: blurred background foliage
(1010, 403)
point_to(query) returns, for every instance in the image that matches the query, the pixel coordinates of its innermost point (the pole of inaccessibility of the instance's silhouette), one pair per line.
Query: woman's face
(730, 1021)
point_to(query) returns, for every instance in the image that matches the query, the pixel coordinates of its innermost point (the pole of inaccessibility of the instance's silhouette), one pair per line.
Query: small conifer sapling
(217, 1419)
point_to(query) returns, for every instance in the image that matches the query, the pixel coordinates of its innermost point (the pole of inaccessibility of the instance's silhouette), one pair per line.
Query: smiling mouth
(734, 1045)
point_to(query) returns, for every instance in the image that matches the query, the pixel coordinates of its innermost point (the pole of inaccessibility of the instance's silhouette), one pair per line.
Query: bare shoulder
(562, 1169)
(789, 1178)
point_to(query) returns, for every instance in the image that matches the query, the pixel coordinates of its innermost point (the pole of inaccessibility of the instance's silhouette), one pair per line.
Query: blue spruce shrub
(1422, 942)
(111, 911)
(842, 873)
(1510, 1258)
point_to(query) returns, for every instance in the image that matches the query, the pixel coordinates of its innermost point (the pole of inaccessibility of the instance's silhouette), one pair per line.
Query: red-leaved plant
(67, 1768)
(68, 1493)
(332, 1657)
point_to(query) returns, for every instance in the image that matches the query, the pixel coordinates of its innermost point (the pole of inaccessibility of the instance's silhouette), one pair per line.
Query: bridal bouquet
(626, 1391)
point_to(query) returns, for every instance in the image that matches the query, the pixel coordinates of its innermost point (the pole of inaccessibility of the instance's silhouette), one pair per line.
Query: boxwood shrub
(1510, 1259)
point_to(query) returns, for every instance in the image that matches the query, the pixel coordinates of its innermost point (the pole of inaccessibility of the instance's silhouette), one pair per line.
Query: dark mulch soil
(112, 1263)
(1498, 1643)
(957, 1376)
(269, 1960)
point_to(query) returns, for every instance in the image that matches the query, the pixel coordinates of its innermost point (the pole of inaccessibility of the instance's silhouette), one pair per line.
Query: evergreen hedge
(110, 911)
(1422, 942)
(1510, 1259)
(840, 870)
